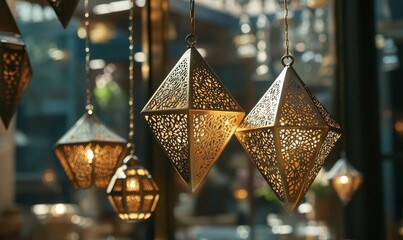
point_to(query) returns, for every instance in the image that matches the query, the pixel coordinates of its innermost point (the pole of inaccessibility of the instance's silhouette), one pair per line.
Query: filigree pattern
(132, 191)
(260, 146)
(81, 171)
(290, 153)
(258, 117)
(105, 168)
(297, 108)
(298, 148)
(192, 116)
(325, 114)
(208, 93)
(346, 190)
(171, 132)
(211, 133)
(328, 144)
(173, 92)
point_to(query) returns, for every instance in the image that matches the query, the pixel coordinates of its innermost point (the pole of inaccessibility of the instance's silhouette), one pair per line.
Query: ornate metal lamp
(288, 134)
(89, 152)
(15, 69)
(132, 191)
(64, 9)
(345, 179)
(192, 115)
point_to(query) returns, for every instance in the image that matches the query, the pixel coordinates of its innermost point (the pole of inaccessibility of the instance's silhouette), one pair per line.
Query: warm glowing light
(343, 179)
(97, 64)
(241, 194)
(48, 176)
(89, 154)
(399, 126)
(40, 209)
(132, 184)
(305, 208)
(116, 6)
(60, 209)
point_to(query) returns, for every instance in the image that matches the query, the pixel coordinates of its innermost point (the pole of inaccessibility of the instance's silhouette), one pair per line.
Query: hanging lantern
(132, 191)
(192, 115)
(89, 152)
(288, 134)
(64, 9)
(15, 69)
(345, 180)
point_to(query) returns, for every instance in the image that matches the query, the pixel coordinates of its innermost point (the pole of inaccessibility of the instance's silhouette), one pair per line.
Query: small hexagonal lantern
(64, 9)
(15, 69)
(345, 180)
(192, 117)
(132, 191)
(90, 152)
(288, 135)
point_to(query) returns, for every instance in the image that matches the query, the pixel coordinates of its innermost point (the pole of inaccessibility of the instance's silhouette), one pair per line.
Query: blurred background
(347, 52)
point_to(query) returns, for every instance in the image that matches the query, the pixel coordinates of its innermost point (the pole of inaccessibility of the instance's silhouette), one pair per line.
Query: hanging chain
(287, 41)
(131, 80)
(89, 106)
(191, 38)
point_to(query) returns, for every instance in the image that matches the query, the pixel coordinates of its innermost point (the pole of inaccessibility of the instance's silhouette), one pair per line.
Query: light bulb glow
(89, 154)
(343, 179)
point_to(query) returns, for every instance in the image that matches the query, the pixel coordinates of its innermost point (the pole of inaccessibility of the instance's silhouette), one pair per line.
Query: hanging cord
(131, 80)
(89, 107)
(287, 41)
(191, 38)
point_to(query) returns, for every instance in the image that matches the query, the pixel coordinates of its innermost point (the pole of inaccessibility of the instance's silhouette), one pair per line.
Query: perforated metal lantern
(288, 135)
(15, 69)
(192, 117)
(132, 191)
(64, 9)
(90, 153)
(345, 180)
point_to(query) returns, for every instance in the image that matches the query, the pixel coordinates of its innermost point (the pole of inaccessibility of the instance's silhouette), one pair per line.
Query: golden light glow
(343, 179)
(89, 154)
(241, 194)
(135, 197)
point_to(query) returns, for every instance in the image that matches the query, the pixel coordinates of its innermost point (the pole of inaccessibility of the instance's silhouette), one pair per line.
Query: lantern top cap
(88, 129)
(343, 167)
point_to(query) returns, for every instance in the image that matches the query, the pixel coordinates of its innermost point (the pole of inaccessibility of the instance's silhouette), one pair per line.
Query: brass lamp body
(15, 69)
(132, 191)
(288, 135)
(192, 116)
(90, 153)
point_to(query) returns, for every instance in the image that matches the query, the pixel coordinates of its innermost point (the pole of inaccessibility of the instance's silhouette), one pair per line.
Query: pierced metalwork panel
(106, 160)
(173, 92)
(171, 132)
(210, 134)
(264, 113)
(298, 152)
(137, 195)
(260, 146)
(325, 114)
(297, 108)
(328, 144)
(15, 74)
(208, 93)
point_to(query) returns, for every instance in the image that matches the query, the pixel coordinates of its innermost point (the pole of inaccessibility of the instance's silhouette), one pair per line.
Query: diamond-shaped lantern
(192, 117)
(132, 191)
(90, 153)
(345, 180)
(15, 69)
(64, 9)
(288, 135)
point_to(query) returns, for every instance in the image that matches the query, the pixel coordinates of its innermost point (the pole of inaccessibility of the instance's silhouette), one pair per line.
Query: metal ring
(291, 58)
(191, 40)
